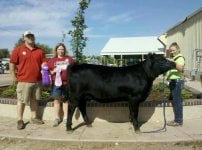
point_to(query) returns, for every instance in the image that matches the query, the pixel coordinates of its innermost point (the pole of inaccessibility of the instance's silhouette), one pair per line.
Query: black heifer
(111, 84)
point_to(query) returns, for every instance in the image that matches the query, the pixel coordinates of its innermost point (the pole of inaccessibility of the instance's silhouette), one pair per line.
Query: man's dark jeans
(176, 89)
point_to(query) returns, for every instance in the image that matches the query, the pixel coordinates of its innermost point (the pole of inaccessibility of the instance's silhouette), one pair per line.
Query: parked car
(1, 68)
(5, 63)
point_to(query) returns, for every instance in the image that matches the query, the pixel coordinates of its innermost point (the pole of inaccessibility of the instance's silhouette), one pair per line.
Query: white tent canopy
(133, 46)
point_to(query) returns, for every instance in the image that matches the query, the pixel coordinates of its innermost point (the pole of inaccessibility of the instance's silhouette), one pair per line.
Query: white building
(132, 49)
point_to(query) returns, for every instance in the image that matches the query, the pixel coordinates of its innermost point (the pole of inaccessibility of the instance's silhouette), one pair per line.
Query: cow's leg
(82, 108)
(134, 109)
(130, 113)
(71, 109)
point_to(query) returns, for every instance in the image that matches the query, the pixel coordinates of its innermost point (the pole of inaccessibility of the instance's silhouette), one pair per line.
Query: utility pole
(63, 36)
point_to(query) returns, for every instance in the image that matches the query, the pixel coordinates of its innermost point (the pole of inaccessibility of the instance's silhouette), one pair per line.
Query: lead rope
(164, 112)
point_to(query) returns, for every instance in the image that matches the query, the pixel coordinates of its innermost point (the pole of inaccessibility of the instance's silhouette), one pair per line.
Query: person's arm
(180, 68)
(50, 67)
(180, 64)
(12, 68)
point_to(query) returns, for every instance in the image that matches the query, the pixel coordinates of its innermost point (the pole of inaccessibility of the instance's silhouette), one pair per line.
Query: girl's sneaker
(65, 121)
(56, 122)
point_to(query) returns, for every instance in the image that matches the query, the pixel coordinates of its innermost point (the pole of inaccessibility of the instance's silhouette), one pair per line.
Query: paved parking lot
(5, 79)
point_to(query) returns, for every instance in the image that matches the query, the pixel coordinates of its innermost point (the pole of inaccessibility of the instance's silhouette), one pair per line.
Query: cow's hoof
(68, 128)
(138, 131)
(89, 125)
(69, 131)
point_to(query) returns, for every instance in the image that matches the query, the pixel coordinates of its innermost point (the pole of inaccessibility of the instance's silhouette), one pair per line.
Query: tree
(78, 41)
(44, 47)
(19, 42)
(4, 53)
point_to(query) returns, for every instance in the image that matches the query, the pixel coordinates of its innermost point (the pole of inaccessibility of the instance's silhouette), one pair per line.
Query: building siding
(188, 34)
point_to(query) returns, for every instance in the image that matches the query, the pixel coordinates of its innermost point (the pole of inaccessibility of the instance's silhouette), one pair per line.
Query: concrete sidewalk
(103, 131)
(194, 86)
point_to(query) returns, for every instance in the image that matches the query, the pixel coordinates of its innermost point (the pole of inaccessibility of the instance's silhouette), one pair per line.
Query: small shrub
(157, 92)
(45, 92)
(187, 94)
(10, 92)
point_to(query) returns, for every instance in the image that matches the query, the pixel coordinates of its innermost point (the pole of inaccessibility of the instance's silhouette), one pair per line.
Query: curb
(147, 103)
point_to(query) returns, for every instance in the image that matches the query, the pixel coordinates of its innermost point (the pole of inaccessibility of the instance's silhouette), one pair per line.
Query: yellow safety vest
(174, 73)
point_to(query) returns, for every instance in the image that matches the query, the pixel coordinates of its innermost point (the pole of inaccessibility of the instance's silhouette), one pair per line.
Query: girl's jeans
(176, 89)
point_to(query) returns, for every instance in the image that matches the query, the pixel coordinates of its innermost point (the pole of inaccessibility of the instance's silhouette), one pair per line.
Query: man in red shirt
(25, 67)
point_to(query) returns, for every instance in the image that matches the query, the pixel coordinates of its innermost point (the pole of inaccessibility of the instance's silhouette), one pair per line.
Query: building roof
(133, 46)
(186, 18)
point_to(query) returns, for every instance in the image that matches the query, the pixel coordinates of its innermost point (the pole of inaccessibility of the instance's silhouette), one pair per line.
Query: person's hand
(43, 64)
(15, 81)
(53, 71)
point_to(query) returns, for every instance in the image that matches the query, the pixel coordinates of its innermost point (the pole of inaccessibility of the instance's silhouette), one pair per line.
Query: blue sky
(105, 19)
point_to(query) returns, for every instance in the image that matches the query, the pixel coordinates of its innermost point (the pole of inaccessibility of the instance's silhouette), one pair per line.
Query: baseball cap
(27, 33)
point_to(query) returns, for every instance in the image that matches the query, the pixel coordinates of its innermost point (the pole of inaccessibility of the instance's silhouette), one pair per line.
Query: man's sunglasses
(30, 35)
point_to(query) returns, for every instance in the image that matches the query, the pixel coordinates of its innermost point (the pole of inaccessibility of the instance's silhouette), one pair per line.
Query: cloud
(45, 18)
(123, 17)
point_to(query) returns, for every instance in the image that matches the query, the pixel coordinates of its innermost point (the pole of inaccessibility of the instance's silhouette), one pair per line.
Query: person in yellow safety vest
(176, 83)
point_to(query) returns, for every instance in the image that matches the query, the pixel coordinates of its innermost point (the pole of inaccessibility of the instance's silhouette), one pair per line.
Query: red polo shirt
(28, 63)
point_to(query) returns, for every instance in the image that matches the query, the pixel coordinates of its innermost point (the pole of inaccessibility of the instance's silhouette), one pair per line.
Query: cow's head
(157, 64)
